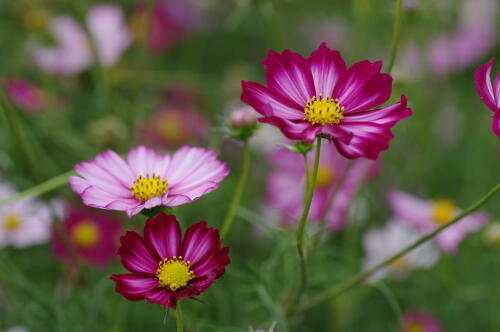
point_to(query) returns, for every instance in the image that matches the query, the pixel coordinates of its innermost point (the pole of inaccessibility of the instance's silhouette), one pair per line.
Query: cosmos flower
(25, 94)
(24, 222)
(94, 236)
(172, 21)
(419, 321)
(73, 52)
(425, 216)
(173, 126)
(285, 186)
(319, 95)
(165, 267)
(490, 94)
(382, 243)
(148, 179)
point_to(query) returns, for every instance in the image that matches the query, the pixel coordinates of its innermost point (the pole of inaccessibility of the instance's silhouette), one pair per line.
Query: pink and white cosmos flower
(319, 95)
(490, 94)
(166, 267)
(425, 216)
(147, 179)
(73, 54)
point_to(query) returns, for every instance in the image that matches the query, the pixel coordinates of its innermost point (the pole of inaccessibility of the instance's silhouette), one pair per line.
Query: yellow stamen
(12, 223)
(415, 327)
(323, 111)
(174, 273)
(444, 211)
(86, 234)
(146, 187)
(324, 178)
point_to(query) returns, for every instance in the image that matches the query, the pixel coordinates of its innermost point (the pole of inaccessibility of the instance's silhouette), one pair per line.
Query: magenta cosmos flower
(419, 321)
(166, 268)
(489, 94)
(94, 236)
(25, 94)
(319, 95)
(426, 216)
(285, 186)
(147, 179)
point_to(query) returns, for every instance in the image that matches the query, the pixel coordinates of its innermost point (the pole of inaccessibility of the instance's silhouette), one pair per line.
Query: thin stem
(302, 222)
(40, 189)
(361, 276)
(17, 128)
(228, 220)
(396, 34)
(306, 167)
(178, 317)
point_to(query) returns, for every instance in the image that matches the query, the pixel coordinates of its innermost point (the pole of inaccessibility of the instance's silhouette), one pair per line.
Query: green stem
(17, 129)
(396, 34)
(361, 276)
(178, 317)
(303, 219)
(306, 167)
(228, 220)
(40, 189)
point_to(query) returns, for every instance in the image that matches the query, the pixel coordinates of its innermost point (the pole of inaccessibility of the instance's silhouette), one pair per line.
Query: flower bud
(243, 117)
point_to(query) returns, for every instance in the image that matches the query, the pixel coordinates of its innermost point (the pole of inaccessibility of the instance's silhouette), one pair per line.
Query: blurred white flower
(382, 243)
(73, 54)
(24, 222)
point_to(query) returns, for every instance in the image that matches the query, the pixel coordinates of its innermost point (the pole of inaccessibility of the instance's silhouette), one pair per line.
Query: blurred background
(79, 77)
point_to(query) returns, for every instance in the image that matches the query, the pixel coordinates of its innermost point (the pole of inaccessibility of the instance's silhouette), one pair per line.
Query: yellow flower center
(146, 187)
(415, 327)
(174, 273)
(86, 234)
(12, 223)
(324, 177)
(323, 111)
(444, 211)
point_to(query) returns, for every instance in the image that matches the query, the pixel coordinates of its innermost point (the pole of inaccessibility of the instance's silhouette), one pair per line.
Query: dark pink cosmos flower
(94, 236)
(166, 268)
(147, 179)
(319, 95)
(25, 94)
(419, 321)
(489, 94)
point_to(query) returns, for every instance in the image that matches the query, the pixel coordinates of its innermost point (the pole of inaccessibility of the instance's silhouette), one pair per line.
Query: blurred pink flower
(172, 22)
(73, 52)
(94, 236)
(242, 117)
(173, 126)
(24, 222)
(425, 216)
(490, 94)
(319, 95)
(382, 243)
(420, 321)
(25, 94)
(285, 186)
(147, 179)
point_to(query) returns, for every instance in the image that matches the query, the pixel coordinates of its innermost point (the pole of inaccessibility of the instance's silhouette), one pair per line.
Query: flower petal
(162, 296)
(288, 75)
(387, 116)
(327, 67)
(136, 257)
(194, 172)
(484, 88)
(107, 25)
(163, 234)
(133, 287)
(262, 100)
(495, 124)
(143, 160)
(199, 242)
(413, 210)
(363, 87)
(294, 130)
(368, 140)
